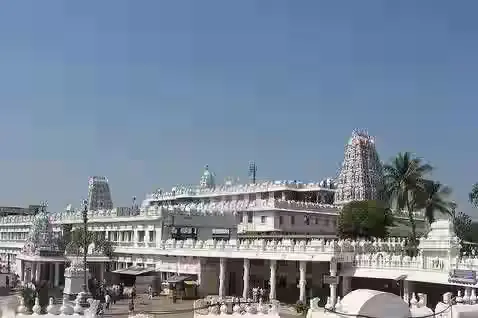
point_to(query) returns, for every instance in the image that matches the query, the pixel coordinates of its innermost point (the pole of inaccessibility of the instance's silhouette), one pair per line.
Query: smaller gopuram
(41, 259)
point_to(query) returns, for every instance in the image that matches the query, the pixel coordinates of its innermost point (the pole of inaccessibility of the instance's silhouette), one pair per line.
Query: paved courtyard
(160, 305)
(163, 307)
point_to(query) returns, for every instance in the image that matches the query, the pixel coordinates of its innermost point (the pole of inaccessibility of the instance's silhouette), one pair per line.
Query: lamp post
(85, 241)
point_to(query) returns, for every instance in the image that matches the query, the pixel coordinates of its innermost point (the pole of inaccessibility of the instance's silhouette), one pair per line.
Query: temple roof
(207, 178)
(40, 239)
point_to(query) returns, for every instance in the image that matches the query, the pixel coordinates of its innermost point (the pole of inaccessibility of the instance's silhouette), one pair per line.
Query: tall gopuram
(99, 194)
(361, 174)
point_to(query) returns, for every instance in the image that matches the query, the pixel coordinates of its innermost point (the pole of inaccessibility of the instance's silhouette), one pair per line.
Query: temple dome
(207, 178)
(374, 303)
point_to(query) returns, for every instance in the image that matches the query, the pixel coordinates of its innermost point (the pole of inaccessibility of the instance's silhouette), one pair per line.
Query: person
(131, 307)
(150, 292)
(115, 294)
(7, 281)
(107, 300)
(133, 292)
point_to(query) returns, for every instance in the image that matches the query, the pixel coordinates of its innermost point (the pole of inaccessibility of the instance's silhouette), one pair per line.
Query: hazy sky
(148, 92)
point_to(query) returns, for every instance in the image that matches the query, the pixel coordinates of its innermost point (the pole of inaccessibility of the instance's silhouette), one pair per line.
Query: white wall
(265, 221)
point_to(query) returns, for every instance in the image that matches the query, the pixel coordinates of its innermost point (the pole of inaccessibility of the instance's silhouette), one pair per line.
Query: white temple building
(231, 238)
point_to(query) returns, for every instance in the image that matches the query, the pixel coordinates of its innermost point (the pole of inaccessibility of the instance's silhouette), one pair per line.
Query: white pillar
(38, 271)
(57, 275)
(333, 287)
(302, 281)
(102, 271)
(24, 272)
(158, 237)
(222, 277)
(272, 281)
(147, 238)
(136, 238)
(406, 291)
(33, 272)
(245, 290)
(21, 269)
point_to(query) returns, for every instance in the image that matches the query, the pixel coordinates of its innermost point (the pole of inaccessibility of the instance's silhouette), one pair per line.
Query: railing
(185, 190)
(313, 250)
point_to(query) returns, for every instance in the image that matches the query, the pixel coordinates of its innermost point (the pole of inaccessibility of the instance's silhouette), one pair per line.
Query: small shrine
(41, 259)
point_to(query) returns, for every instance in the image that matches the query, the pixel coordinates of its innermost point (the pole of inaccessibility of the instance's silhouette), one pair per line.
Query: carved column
(38, 272)
(102, 271)
(57, 275)
(147, 238)
(33, 272)
(245, 290)
(333, 287)
(136, 238)
(272, 282)
(21, 273)
(302, 280)
(222, 277)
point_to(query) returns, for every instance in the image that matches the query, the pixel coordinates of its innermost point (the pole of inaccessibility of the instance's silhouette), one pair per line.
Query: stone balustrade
(53, 310)
(215, 208)
(201, 208)
(268, 186)
(386, 260)
(17, 219)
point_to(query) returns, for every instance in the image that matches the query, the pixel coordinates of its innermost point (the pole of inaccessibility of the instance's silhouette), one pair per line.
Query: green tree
(432, 198)
(76, 243)
(473, 195)
(404, 179)
(364, 219)
(463, 226)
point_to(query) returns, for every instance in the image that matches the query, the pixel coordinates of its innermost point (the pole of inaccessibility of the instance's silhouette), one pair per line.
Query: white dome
(374, 303)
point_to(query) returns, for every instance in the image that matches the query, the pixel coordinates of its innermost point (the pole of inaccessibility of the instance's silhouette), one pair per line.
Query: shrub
(28, 295)
(300, 307)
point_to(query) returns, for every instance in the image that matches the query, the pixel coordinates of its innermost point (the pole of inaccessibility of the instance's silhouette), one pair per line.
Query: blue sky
(148, 92)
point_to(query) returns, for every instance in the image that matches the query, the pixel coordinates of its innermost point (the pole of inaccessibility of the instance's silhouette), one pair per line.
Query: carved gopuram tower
(361, 175)
(99, 195)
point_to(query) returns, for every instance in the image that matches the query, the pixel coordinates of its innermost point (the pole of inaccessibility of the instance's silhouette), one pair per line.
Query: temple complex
(361, 175)
(41, 257)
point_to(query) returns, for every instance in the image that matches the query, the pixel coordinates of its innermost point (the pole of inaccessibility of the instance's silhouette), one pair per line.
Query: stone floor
(164, 308)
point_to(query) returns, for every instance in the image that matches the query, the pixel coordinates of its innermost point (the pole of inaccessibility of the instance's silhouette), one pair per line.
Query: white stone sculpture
(21, 309)
(223, 308)
(51, 309)
(66, 308)
(473, 296)
(36, 308)
(78, 309)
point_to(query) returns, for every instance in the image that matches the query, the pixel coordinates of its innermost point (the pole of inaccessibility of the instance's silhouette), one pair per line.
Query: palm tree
(473, 196)
(433, 198)
(404, 179)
